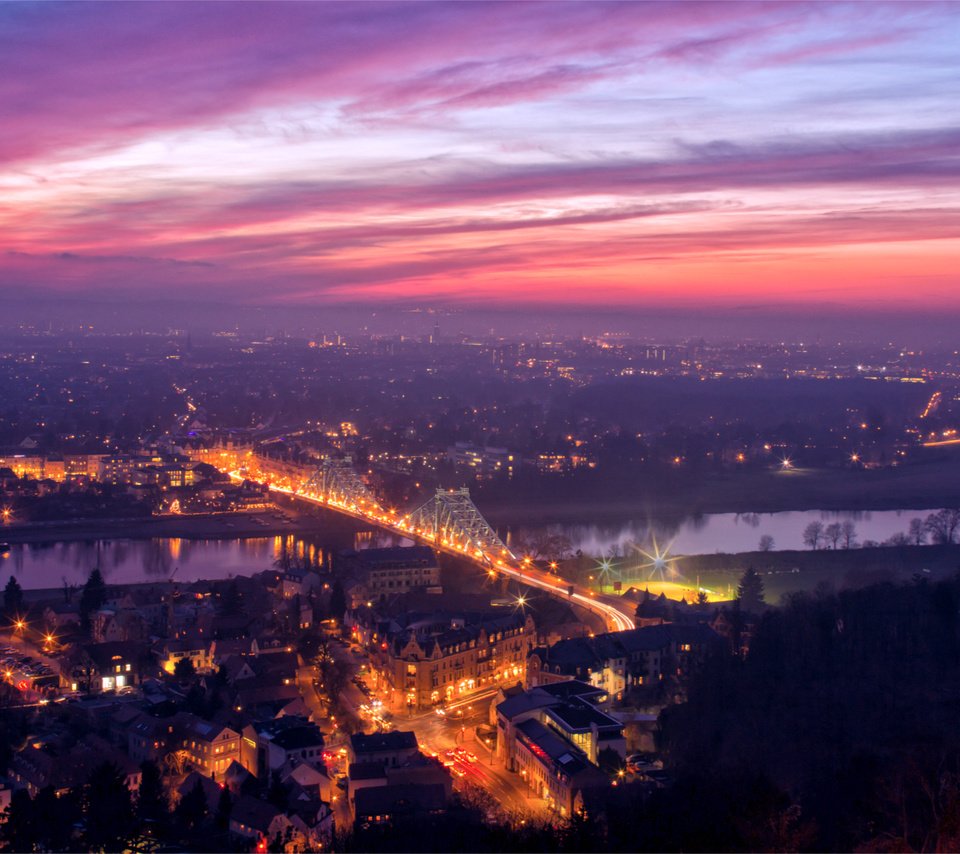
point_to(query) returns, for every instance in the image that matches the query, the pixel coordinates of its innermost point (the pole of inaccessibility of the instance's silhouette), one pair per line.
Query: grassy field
(788, 571)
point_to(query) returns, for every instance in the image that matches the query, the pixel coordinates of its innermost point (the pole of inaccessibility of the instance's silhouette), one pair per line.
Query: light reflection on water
(128, 561)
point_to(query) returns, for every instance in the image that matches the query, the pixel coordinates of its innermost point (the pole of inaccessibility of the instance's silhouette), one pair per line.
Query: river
(126, 561)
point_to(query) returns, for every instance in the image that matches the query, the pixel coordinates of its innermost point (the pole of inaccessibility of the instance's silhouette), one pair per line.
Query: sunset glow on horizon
(644, 154)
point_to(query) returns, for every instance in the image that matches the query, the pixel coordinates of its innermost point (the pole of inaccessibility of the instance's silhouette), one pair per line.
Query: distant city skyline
(733, 159)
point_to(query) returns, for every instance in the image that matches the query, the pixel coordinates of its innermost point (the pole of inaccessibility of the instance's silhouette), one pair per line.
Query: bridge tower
(451, 519)
(337, 482)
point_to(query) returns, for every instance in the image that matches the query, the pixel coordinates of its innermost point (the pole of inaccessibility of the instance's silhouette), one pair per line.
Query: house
(384, 805)
(271, 745)
(148, 738)
(384, 748)
(258, 820)
(209, 747)
(618, 661)
(192, 647)
(94, 668)
(311, 778)
(389, 571)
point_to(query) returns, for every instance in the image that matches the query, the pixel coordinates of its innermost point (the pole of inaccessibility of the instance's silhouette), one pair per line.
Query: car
(459, 772)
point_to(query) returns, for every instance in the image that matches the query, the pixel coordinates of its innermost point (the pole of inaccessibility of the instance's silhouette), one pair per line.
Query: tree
(231, 601)
(224, 806)
(702, 599)
(750, 591)
(766, 543)
(108, 809)
(943, 526)
(278, 792)
(813, 534)
(13, 598)
(54, 818)
(338, 601)
(898, 539)
(832, 533)
(184, 669)
(92, 598)
(849, 534)
(152, 804)
(192, 809)
(917, 532)
(18, 829)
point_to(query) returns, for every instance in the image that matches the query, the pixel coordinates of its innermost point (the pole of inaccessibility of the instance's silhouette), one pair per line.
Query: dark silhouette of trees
(224, 806)
(192, 809)
(848, 533)
(943, 526)
(833, 533)
(766, 543)
(92, 597)
(230, 602)
(152, 803)
(184, 669)
(12, 598)
(338, 601)
(813, 535)
(107, 810)
(750, 591)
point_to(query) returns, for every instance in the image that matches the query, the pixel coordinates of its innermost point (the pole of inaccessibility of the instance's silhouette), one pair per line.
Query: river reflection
(125, 561)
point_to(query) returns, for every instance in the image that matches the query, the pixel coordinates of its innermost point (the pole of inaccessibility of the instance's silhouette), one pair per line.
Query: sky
(771, 157)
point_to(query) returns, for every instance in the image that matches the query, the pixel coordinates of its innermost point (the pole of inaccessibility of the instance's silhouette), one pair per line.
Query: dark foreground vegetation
(838, 732)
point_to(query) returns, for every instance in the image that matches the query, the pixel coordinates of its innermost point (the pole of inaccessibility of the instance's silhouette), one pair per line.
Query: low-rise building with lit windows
(423, 660)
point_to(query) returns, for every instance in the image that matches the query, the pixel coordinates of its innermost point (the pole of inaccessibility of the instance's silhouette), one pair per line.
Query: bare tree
(833, 532)
(813, 535)
(766, 543)
(849, 534)
(943, 526)
(898, 539)
(917, 532)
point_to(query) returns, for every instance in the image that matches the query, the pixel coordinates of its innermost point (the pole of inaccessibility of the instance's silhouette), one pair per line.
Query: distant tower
(435, 335)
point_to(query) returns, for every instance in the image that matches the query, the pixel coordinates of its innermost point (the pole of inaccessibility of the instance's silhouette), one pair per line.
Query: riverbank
(199, 527)
(928, 484)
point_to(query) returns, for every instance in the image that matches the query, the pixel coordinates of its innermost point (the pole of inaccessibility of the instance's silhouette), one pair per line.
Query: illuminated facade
(444, 659)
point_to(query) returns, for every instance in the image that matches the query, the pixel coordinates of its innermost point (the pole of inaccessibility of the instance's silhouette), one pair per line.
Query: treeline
(837, 732)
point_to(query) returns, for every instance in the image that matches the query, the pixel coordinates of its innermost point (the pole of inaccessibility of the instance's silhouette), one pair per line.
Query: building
(385, 572)
(383, 748)
(553, 770)
(555, 737)
(208, 747)
(98, 667)
(271, 745)
(425, 659)
(619, 661)
(483, 462)
(385, 805)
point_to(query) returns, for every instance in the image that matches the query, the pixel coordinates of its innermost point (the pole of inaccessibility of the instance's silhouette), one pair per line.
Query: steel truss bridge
(451, 523)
